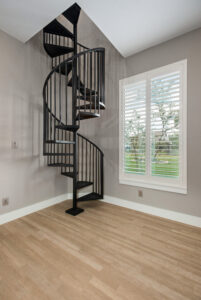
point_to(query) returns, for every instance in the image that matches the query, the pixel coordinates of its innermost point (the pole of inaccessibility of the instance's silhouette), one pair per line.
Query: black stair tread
(72, 13)
(68, 127)
(63, 69)
(58, 154)
(92, 106)
(91, 98)
(60, 165)
(82, 184)
(79, 83)
(91, 196)
(56, 50)
(68, 174)
(64, 142)
(86, 115)
(57, 28)
(82, 89)
(87, 92)
(59, 142)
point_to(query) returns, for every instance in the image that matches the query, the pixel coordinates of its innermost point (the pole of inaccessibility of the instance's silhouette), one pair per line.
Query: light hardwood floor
(108, 252)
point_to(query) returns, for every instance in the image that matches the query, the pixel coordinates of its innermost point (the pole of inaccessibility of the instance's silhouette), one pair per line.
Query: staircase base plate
(74, 211)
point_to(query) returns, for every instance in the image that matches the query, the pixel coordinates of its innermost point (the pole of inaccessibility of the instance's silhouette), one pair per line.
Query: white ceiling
(130, 25)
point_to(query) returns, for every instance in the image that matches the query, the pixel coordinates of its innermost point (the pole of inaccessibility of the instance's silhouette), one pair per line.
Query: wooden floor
(105, 253)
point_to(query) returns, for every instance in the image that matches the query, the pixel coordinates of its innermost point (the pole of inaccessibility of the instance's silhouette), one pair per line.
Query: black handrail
(90, 102)
(90, 143)
(71, 59)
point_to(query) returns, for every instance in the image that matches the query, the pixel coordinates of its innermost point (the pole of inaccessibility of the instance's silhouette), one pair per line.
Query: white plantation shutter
(135, 128)
(165, 132)
(153, 129)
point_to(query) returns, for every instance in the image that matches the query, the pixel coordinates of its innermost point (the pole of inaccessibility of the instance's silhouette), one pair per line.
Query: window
(153, 127)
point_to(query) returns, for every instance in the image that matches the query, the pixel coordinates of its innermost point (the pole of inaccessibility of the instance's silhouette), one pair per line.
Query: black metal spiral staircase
(73, 91)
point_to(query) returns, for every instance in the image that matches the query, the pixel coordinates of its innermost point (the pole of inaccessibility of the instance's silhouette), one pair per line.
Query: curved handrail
(71, 59)
(58, 68)
(83, 137)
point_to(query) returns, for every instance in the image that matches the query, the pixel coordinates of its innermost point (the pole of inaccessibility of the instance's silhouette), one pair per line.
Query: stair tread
(63, 69)
(82, 89)
(67, 127)
(59, 142)
(57, 28)
(91, 98)
(87, 91)
(79, 82)
(82, 184)
(58, 154)
(82, 115)
(60, 165)
(90, 196)
(91, 106)
(72, 13)
(56, 50)
(68, 174)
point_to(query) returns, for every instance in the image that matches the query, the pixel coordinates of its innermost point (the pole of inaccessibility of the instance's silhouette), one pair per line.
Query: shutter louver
(165, 123)
(135, 128)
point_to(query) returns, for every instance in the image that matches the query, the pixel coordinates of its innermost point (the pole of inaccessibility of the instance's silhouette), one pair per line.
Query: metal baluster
(79, 75)
(102, 174)
(90, 164)
(90, 65)
(66, 90)
(98, 79)
(69, 150)
(99, 172)
(103, 77)
(48, 137)
(95, 95)
(78, 159)
(51, 138)
(86, 161)
(60, 93)
(85, 83)
(55, 104)
(93, 170)
(82, 161)
(96, 170)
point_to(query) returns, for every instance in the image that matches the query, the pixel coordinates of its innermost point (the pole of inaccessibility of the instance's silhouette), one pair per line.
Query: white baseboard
(18, 213)
(167, 214)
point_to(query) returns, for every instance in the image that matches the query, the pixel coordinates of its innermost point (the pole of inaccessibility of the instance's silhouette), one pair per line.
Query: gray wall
(186, 46)
(24, 176)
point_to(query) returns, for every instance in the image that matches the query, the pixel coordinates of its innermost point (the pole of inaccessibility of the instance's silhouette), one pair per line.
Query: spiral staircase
(73, 91)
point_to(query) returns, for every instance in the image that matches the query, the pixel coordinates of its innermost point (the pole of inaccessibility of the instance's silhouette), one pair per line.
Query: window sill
(150, 185)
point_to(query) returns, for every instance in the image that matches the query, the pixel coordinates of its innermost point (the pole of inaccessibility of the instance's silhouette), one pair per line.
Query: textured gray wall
(24, 176)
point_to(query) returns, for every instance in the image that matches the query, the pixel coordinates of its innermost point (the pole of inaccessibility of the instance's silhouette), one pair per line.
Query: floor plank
(108, 252)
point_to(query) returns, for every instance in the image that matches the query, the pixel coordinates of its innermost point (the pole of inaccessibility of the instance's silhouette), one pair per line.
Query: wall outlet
(140, 193)
(5, 201)
(14, 145)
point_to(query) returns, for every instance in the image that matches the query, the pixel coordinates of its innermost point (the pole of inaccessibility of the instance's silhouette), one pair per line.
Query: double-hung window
(152, 130)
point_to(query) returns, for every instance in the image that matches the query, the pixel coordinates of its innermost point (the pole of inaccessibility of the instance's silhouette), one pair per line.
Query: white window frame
(159, 183)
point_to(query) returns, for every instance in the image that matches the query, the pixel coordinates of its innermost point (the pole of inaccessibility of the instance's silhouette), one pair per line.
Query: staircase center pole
(74, 100)
(74, 210)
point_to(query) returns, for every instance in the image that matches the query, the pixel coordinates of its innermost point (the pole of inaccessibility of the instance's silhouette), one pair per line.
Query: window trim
(171, 185)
